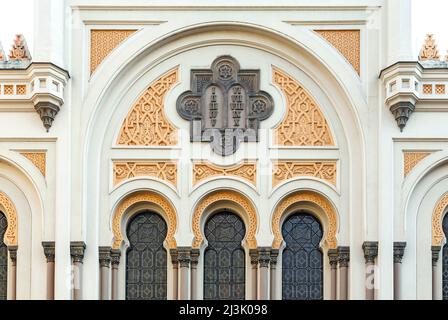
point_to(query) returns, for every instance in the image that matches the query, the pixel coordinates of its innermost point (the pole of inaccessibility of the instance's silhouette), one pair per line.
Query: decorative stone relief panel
(146, 124)
(11, 236)
(412, 159)
(203, 171)
(285, 170)
(306, 196)
(437, 218)
(163, 170)
(226, 195)
(225, 105)
(39, 159)
(347, 42)
(141, 197)
(304, 123)
(102, 42)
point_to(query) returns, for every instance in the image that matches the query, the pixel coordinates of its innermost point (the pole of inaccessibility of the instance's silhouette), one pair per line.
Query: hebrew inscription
(225, 105)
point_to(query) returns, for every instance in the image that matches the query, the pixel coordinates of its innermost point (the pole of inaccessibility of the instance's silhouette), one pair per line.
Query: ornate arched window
(146, 258)
(302, 259)
(445, 260)
(3, 258)
(224, 258)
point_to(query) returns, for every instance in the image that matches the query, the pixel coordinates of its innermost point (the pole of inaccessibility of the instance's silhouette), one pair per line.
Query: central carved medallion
(225, 105)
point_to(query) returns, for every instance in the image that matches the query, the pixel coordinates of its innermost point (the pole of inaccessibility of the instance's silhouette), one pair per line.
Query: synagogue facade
(207, 150)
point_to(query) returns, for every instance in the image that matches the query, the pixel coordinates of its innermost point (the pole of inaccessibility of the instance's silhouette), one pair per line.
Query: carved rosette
(412, 159)
(39, 159)
(141, 197)
(231, 196)
(225, 105)
(286, 170)
(437, 218)
(304, 124)
(147, 124)
(163, 170)
(203, 171)
(8, 208)
(305, 196)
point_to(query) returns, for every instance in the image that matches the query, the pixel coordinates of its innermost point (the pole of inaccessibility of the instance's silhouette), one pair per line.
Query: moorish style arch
(142, 197)
(437, 221)
(306, 196)
(225, 195)
(11, 234)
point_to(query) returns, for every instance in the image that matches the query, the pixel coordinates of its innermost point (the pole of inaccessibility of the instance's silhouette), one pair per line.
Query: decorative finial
(19, 51)
(2, 54)
(429, 51)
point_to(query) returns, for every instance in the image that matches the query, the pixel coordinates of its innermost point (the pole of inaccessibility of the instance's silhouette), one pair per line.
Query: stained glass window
(224, 258)
(146, 258)
(3, 258)
(302, 259)
(445, 260)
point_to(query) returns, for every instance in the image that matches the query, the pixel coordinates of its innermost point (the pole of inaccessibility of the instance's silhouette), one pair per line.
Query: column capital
(104, 256)
(333, 257)
(77, 250)
(344, 256)
(184, 256)
(253, 253)
(370, 249)
(174, 253)
(49, 250)
(115, 255)
(435, 254)
(13, 254)
(274, 258)
(195, 253)
(264, 257)
(399, 248)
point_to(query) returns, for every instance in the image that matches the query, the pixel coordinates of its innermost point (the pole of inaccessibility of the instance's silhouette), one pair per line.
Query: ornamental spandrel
(225, 105)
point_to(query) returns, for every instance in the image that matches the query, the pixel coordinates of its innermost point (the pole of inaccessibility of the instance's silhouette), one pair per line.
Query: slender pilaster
(184, 264)
(194, 270)
(344, 259)
(399, 248)
(333, 258)
(13, 256)
(77, 250)
(370, 249)
(104, 259)
(115, 256)
(264, 260)
(175, 262)
(435, 258)
(50, 252)
(254, 273)
(274, 259)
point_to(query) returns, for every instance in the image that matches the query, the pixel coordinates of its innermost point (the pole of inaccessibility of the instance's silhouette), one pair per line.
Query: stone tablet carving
(225, 105)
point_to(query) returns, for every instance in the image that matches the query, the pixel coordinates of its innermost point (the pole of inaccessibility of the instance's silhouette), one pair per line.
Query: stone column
(184, 264)
(435, 258)
(333, 258)
(274, 259)
(254, 273)
(370, 249)
(398, 257)
(175, 262)
(104, 259)
(264, 260)
(49, 251)
(194, 273)
(344, 259)
(13, 256)
(77, 250)
(115, 255)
